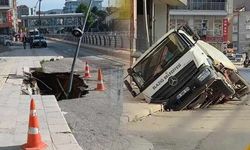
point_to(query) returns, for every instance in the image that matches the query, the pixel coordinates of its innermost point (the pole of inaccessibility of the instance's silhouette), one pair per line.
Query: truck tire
(199, 101)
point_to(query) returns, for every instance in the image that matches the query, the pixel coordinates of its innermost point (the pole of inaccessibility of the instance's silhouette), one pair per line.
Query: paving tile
(52, 109)
(59, 128)
(68, 147)
(63, 138)
(45, 134)
(20, 138)
(6, 140)
(55, 121)
(55, 114)
(7, 123)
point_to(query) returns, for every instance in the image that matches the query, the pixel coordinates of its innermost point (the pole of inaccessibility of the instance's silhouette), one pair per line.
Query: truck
(181, 71)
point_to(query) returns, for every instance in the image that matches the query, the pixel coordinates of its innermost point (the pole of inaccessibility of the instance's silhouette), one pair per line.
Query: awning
(172, 2)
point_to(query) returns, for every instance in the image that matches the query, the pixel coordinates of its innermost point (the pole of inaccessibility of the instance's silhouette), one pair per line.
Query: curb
(128, 117)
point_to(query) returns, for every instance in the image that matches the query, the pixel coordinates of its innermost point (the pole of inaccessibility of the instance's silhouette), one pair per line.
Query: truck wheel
(182, 105)
(200, 100)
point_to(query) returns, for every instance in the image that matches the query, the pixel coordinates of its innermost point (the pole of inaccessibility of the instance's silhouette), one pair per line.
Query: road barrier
(115, 40)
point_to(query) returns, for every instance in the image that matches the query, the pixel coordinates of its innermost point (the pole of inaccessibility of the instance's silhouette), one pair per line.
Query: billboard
(225, 30)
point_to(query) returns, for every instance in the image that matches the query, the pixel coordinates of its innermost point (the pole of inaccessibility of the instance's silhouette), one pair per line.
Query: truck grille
(183, 77)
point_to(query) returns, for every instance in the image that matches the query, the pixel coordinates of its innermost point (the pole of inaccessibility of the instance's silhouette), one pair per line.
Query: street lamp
(238, 26)
(77, 33)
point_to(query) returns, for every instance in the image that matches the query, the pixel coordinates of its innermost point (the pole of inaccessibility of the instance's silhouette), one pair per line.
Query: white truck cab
(179, 71)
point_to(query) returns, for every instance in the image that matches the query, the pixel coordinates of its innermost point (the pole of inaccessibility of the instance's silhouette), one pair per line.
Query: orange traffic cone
(34, 140)
(100, 84)
(87, 71)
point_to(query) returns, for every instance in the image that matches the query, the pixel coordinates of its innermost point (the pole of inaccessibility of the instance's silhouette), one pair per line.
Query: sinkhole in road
(56, 84)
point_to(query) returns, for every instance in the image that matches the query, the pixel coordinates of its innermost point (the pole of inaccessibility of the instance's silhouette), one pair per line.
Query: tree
(95, 19)
(84, 9)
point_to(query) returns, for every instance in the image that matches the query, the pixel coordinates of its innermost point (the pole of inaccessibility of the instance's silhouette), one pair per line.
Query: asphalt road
(95, 118)
(221, 127)
(67, 50)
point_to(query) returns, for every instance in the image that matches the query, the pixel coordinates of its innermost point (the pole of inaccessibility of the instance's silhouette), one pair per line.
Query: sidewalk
(14, 109)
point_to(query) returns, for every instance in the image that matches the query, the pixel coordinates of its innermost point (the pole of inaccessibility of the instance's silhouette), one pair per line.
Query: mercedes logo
(173, 81)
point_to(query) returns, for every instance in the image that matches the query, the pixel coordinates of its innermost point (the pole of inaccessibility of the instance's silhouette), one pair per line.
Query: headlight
(205, 73)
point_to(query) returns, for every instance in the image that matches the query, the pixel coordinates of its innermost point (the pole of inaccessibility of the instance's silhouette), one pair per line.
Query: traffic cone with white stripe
(100, 84)
(34, 140)
(87, 71)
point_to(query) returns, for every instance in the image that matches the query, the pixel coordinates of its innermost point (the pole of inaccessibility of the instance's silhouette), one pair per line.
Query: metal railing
(114, 40)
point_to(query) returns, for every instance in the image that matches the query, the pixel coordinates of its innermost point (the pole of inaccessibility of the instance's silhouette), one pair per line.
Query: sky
(46, 4)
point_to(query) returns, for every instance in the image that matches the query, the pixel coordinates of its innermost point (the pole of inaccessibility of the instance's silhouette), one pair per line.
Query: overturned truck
(183, 72)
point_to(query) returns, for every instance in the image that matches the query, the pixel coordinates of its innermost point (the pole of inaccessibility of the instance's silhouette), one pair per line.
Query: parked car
(239, 58)
(6, 40)
(39, 41)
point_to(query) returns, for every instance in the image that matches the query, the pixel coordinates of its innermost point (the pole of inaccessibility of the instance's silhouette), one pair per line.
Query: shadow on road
(18, 147)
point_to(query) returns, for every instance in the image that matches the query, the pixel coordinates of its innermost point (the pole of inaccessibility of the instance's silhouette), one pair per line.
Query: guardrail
(112, 40)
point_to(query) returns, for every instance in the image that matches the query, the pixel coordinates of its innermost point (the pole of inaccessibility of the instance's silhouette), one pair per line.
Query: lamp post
(77, 33)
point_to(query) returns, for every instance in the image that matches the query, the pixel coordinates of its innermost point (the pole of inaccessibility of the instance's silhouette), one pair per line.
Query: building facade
(151, 21)
(70, 6)
(8, 17)
(96, 3)
(241, 28)
(53, 11)
(22, 10)
(207, 18)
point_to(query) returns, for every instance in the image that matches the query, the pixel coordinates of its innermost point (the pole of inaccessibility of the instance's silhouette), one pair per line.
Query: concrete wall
(161, 21)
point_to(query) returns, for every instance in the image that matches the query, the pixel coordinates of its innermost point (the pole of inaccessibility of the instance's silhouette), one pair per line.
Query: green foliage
(95, 18)
(82, 9)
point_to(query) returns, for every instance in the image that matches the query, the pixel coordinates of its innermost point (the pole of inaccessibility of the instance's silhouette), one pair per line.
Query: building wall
(71, 6)
(244, 31)
(160, 24)
(8, 17)
(22, 10)
(205, 18)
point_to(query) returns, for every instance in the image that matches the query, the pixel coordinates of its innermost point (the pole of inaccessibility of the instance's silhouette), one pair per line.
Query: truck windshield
(161, 57)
